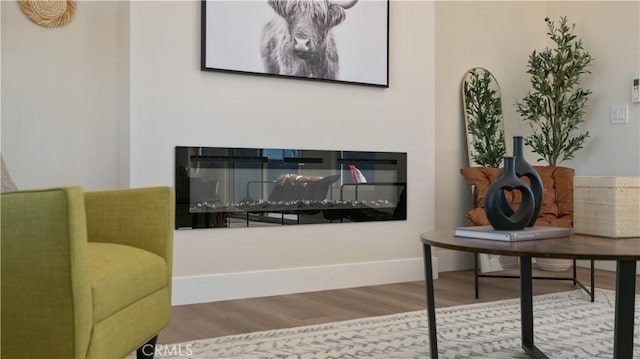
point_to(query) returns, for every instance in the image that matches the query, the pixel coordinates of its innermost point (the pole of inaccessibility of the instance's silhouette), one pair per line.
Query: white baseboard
(227, 286)
(450, 260)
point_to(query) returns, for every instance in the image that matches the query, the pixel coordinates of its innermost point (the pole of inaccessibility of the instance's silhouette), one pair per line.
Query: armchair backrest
(46, 291)
(148, 209)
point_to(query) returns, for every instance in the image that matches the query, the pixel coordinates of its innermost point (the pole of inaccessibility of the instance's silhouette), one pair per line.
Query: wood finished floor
(208, 320)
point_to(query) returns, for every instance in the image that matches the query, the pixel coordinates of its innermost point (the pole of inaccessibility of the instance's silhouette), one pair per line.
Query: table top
(575, 246)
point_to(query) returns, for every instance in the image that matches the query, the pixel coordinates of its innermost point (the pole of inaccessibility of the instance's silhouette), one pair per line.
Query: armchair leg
(147, 350)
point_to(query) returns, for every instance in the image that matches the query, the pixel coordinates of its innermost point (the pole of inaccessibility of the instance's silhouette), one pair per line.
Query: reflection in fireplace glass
(247, 187)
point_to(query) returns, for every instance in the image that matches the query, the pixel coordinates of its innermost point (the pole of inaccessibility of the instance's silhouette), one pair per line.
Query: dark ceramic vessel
(524, 169)
(499, 212)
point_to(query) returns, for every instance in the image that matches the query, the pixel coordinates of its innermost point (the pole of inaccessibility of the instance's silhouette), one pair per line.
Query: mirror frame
(485, 110)
(488, 89)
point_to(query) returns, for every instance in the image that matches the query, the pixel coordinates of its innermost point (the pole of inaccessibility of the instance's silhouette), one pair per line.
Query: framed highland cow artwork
(323, 40)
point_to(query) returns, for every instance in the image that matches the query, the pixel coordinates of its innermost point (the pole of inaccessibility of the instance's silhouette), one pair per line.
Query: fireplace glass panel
(248, 187)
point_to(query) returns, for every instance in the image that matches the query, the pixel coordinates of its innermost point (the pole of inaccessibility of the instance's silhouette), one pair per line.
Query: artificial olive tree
(554, 107)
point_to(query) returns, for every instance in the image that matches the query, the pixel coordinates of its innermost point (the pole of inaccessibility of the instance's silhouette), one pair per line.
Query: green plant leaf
(554, 107)
(483, 111)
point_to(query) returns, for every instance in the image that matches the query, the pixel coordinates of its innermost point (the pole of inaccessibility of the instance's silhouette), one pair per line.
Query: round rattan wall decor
(49, 13)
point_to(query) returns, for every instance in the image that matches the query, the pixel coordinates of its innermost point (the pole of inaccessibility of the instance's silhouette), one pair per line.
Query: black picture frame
(235, 38)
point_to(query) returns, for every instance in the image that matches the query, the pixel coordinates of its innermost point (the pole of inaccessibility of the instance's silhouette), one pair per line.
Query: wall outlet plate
(619, 115)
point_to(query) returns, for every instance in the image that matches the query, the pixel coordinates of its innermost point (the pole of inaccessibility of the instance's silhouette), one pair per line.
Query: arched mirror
(484, 129)
(483, 121)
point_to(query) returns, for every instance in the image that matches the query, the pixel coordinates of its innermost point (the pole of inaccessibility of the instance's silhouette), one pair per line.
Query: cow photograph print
(343, 41)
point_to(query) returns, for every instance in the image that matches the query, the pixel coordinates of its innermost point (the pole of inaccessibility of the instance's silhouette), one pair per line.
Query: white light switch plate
(619, 115)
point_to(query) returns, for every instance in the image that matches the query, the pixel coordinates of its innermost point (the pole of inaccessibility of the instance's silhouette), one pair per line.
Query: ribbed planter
(553, 264)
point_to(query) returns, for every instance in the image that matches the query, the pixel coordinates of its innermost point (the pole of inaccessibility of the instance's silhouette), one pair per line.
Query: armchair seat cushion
(122, 275)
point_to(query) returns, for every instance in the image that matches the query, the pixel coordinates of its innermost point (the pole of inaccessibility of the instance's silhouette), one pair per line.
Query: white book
(527, 234)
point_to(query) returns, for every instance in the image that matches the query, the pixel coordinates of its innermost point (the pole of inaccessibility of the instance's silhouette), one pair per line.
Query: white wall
(612, 150)
(124, 95)
(497, 36)
(102, 101)
(611, 34)
(500, 36)
(184, 106)
(60, 98)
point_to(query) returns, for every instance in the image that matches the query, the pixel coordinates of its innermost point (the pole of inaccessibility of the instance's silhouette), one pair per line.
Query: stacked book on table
(527, 234)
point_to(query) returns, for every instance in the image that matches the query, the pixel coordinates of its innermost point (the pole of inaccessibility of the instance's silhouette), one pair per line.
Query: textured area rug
(566, 325)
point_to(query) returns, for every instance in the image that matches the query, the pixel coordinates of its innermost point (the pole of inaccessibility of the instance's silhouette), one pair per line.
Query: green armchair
(85, 275)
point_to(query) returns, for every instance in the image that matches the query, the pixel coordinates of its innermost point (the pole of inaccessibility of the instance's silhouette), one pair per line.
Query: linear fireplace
(221, 187)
